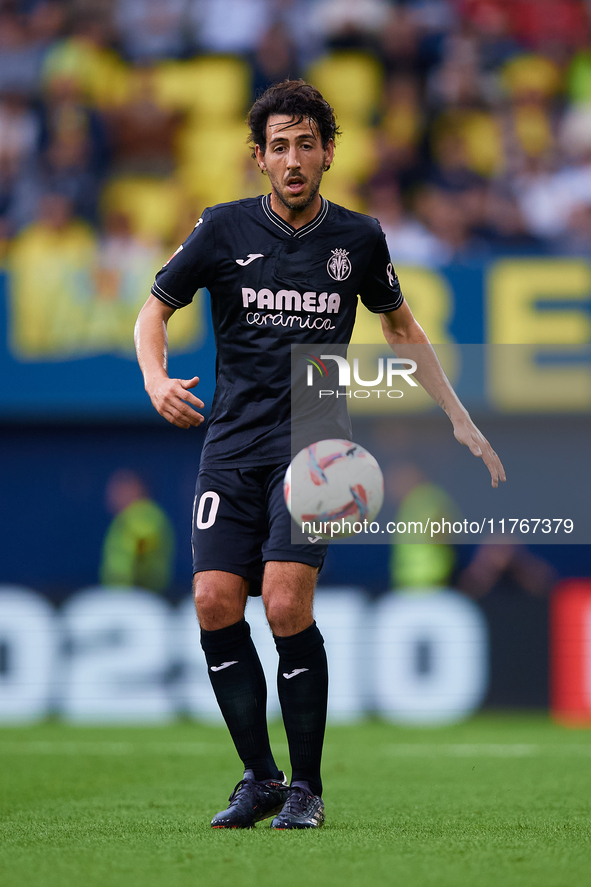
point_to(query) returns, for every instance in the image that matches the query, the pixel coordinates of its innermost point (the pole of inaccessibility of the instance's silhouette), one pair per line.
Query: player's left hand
(466, 432)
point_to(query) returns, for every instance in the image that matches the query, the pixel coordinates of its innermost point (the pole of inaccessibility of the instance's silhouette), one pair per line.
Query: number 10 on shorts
(205, 510)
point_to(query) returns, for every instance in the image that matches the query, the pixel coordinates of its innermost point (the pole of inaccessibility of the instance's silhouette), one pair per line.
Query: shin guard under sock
(239, 684)
(302, 681)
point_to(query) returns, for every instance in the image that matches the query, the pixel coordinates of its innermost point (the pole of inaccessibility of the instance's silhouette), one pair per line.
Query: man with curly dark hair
(281, 269)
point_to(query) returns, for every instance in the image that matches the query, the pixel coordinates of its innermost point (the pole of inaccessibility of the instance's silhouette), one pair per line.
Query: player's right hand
(173, 400)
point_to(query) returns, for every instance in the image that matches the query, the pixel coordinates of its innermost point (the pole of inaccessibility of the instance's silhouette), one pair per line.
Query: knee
(206, 601)
(218, 603)
(286, 616)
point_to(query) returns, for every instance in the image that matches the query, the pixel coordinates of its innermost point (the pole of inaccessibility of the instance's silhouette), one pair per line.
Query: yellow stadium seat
(153, 205)
(212, 88)
(212, 161)
(50, 282)
(356, 154)
(342, 191)
(483, 141)
(478, 132)
(531, 73)
(352, 82)
(533, 128)
(101, 74)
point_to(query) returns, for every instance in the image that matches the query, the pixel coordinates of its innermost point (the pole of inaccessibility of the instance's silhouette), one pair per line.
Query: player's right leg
(220, 598)
(226, 544)
(239, 684)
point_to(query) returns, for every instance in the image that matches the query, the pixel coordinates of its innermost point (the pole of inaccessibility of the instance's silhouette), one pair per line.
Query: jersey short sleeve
(190, 268)
(380, 290)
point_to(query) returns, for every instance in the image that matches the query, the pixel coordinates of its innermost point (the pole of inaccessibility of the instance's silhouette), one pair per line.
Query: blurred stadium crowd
(466, 123)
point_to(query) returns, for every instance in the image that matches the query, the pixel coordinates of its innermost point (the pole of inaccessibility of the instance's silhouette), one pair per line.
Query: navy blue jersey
(273, 286)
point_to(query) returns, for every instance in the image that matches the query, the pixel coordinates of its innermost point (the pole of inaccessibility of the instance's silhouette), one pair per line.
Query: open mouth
(295, 185)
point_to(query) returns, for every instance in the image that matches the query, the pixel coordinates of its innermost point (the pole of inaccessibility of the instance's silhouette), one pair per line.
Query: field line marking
(486, 749)
(107, 747)
(114, 747)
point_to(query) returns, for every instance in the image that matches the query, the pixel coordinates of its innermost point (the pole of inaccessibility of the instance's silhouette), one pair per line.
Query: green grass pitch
(499, 800)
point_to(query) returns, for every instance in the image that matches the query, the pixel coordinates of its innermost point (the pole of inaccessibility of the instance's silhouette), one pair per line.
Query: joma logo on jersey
(339, 266)
(291, 300)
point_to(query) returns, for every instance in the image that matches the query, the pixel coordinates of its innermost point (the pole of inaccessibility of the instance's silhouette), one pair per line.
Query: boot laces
(239, 787)
(297, 801)
(259, 789)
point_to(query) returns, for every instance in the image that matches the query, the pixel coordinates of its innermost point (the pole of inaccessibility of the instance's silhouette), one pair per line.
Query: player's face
(294, 160)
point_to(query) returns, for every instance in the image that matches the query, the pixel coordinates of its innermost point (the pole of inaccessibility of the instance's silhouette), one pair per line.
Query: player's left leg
(302, 680)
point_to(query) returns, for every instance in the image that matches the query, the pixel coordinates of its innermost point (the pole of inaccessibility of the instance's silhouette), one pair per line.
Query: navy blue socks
(238, 682)
(302, 681)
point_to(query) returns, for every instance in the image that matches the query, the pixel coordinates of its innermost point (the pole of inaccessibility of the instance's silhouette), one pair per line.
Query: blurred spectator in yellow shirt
(139, 548)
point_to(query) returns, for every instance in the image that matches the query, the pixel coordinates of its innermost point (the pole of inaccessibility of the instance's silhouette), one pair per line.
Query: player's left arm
(401, 330)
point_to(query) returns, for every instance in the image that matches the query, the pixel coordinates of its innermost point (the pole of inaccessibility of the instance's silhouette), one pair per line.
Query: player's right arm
(170, 397)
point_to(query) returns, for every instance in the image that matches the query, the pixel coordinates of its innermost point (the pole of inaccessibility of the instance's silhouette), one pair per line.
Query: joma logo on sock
(224, 665)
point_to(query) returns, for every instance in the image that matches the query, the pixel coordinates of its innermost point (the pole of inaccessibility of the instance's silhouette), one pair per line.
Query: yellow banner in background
(70, 297)
(543, 305)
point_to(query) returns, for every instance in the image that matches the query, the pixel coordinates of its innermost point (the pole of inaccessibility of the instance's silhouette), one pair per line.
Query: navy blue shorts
(241, 521)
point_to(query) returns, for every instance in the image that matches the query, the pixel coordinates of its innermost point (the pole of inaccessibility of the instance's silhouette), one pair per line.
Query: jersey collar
(285, 226)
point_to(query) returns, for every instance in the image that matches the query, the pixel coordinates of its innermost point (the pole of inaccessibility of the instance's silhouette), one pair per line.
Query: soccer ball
(332, 487)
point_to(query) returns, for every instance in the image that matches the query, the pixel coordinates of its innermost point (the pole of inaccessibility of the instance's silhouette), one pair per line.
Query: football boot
(301, 810)
(251, 801)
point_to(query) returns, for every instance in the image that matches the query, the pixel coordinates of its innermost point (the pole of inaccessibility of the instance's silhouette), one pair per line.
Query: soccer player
(281, 269)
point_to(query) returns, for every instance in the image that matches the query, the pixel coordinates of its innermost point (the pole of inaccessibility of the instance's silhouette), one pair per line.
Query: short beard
(297, 207)
(294, 205)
